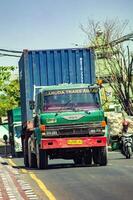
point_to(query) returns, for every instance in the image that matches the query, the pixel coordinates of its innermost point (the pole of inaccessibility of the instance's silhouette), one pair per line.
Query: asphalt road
(67, 182)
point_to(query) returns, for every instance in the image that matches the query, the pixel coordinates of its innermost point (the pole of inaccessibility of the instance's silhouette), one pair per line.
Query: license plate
(78, 142)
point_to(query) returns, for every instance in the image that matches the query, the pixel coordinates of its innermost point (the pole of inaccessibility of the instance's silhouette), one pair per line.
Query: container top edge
(57, 49)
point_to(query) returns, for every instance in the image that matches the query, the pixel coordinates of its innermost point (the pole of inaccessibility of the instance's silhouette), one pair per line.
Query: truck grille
(76, 130)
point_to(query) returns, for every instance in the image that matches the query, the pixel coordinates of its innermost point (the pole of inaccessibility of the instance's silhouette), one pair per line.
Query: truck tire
(31, 156)
(103, 156)
(88, 157)
(42, 158)
(95, 155)
(25, 144)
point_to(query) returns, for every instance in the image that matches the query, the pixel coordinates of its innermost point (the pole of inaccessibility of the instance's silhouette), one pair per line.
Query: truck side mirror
(5, 138)
(32, 105)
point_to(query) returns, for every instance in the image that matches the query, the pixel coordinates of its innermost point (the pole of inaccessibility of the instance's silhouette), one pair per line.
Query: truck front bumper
(82, 142)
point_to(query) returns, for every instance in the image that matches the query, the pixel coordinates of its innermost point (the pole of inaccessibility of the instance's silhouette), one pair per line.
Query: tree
(12, 91)
(5, 74)
(114, 58)
(9, 90)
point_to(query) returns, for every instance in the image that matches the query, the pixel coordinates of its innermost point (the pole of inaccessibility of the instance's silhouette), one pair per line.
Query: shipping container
(53, 67)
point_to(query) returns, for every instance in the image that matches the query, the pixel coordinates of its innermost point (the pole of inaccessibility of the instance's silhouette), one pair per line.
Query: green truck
(15, 128)
(62, 115)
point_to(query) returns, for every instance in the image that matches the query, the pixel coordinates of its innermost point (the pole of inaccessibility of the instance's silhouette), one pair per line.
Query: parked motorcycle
(126, 145)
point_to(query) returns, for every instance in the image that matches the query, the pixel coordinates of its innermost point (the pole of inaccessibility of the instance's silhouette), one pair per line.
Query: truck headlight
(97, 131)
(51, 133)
(92, 131)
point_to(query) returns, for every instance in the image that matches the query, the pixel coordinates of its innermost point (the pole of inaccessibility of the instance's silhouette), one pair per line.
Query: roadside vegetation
(9, 90)
(114, 58)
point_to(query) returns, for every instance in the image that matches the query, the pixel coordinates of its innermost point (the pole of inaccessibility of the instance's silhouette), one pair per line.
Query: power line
(11, 51)
(3, 54)
(128, 37)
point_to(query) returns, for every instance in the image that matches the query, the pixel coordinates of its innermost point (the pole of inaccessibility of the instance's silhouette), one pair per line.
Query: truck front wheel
(31, 156)
(103, 156)
(25, 150)
(42, 158)
(95, 155)
(100, 156)
(88, 157)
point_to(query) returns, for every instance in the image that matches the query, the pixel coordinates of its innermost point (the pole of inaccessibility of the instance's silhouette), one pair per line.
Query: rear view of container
(53, 67)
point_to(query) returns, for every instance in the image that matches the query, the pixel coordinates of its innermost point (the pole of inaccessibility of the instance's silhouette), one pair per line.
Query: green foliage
(5, 74)
(12, 90)
(114, 60)
(9, 90)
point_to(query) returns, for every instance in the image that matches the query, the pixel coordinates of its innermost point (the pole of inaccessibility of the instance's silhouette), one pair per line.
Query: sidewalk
(12, 185)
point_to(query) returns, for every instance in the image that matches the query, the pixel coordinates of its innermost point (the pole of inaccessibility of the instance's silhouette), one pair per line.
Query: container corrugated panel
(53, 67)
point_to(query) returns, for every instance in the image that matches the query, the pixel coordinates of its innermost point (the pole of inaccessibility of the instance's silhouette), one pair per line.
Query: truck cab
(69, 124)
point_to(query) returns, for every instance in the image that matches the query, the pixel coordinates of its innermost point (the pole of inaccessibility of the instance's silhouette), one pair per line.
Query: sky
(53, 24)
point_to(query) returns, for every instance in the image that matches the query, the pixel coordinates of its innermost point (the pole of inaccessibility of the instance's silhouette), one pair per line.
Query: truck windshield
(80, 99)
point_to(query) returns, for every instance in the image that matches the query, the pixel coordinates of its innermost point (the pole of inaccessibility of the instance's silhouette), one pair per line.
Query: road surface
(64, 181)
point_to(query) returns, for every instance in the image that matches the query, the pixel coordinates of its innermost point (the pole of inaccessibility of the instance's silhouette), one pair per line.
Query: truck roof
(64, 86)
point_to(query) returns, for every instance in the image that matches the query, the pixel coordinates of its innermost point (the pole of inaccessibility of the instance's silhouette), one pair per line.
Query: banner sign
(72, 91)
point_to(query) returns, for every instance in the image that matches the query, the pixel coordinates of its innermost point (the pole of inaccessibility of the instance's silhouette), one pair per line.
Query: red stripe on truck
(57, 143)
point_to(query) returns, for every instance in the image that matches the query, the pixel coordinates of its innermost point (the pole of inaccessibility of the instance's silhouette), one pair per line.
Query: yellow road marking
(37, 180)
(42, 186)
(11, 162)
(24, 171)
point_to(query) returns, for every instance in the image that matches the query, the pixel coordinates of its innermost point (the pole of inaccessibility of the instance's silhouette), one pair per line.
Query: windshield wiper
(70, 100)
